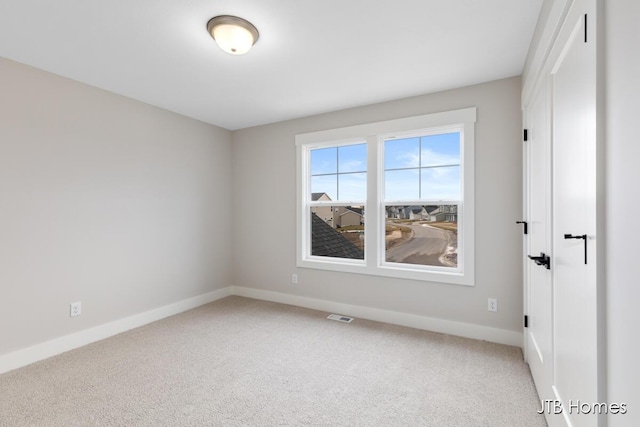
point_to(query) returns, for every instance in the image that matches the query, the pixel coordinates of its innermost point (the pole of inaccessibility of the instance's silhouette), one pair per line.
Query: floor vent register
(339, 318)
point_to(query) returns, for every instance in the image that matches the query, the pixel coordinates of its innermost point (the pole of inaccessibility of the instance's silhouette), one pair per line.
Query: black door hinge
(525, 135)
(526, 321)
(525, 229)
(585, 27)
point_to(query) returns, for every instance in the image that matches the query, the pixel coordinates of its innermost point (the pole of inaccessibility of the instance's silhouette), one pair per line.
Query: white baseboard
(23, 357)
(26, 356)
(467, 330)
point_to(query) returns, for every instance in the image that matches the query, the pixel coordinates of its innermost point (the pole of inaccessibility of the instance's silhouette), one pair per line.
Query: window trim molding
(374, 134)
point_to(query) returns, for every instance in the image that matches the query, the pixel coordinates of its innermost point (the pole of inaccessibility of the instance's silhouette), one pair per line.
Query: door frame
(538, 135)
(545, 54)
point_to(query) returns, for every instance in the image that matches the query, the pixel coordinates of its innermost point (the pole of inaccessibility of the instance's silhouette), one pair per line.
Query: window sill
(403, 271)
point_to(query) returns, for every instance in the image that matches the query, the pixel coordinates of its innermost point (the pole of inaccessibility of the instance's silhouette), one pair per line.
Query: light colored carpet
(242, 362)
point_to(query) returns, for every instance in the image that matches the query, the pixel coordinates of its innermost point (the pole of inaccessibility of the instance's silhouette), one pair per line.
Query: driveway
(426, 246)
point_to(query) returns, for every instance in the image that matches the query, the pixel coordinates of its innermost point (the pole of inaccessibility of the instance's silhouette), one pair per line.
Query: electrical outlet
(493, 304)
(76, 309)
(294, 279)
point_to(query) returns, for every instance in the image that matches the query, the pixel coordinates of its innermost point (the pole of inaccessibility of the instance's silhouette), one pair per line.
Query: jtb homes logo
(552, 406)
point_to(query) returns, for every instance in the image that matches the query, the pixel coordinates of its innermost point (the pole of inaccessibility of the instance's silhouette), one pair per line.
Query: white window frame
(374, 135)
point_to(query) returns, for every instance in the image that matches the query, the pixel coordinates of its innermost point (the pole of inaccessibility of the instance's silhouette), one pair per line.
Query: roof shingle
(325, 241)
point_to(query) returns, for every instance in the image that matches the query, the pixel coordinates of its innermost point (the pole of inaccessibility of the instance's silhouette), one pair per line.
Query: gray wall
(623, 203)
(106, 200)
(264, 179)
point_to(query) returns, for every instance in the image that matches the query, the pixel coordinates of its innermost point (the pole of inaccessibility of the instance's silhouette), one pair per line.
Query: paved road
(426, 246)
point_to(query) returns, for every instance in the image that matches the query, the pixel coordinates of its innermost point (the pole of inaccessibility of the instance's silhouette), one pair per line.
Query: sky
(418, 168)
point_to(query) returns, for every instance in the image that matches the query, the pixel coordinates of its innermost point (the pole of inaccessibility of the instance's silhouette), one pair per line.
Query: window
(421, 198)
(391, 198)
(338, 194)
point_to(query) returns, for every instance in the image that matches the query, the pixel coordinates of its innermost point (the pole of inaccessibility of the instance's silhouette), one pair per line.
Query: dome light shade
(232, 34)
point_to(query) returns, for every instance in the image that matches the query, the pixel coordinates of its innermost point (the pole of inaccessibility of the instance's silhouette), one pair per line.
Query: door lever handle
(543, 260)
(583, 237)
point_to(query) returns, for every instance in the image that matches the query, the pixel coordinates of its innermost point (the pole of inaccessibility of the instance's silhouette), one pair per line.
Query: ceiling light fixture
(234, 35)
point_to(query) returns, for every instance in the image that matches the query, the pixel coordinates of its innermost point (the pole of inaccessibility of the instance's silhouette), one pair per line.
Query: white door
(561, 344)
(574, 216)
(539, 291)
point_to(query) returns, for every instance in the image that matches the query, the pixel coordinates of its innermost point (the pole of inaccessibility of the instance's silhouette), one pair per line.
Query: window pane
(402, 153)
(352, 158)
(324, 184)
(337, 231)
(440, 150)
(424, 235)
(401, 185)
(347, 184)
(352, 187)
(441, 183)
(324, 160)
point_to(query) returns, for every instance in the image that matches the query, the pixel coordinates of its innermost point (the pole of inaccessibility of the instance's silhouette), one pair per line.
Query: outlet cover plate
(76, 309)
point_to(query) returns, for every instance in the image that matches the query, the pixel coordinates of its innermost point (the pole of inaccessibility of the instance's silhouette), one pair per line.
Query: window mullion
(420, 168)
(337, 173)
(372, 222)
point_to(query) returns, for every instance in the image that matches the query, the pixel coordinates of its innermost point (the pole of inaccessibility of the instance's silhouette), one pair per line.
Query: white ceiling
(312, 56)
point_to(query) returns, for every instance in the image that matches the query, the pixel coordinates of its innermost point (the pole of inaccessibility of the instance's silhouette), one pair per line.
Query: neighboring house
(417, 213)
(324, 212)
(344, 216)
(336, 216)
(451, 213)
(325, 241)
(320, 197)
(407, 212)
(434, 214)
(393, 212)
(431, 213)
